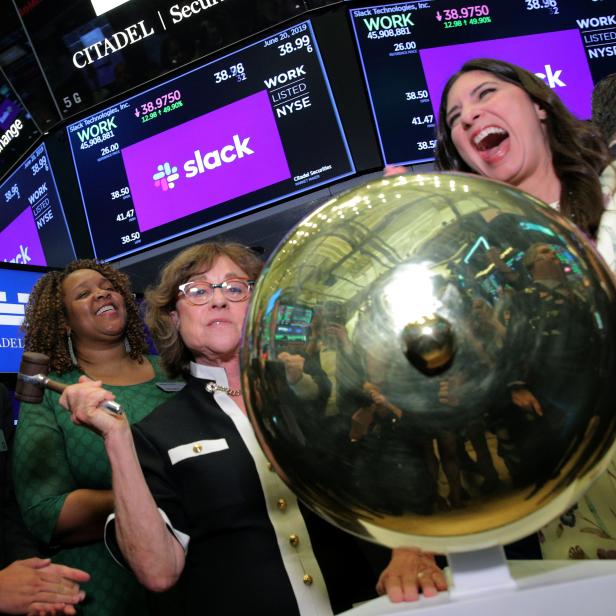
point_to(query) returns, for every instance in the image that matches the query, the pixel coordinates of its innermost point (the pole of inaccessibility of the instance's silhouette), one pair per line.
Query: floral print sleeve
(606, 237)
(588, 530)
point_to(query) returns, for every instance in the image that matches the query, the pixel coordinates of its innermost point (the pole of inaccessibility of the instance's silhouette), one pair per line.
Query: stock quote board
(238, 133)
(409, 50)
(33, 229)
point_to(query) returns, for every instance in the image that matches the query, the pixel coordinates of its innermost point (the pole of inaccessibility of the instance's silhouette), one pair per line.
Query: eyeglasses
(200, 292)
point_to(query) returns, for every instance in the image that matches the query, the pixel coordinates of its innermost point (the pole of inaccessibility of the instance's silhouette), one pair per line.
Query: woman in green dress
(86, 320)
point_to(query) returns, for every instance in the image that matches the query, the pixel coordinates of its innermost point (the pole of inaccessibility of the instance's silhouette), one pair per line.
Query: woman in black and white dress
(197, 504)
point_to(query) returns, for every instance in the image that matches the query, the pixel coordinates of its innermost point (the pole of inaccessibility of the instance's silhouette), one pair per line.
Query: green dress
(51, 458)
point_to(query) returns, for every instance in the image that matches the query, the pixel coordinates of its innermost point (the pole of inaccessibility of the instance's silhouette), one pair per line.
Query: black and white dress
(250, 547)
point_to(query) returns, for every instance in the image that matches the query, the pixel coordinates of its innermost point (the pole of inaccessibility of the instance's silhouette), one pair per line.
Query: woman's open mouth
(105, 309)
(489, 142)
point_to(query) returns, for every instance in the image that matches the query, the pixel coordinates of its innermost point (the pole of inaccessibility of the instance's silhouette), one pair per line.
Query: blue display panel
(238, 133)
(33, 229)
(15, 287)
(408, 51)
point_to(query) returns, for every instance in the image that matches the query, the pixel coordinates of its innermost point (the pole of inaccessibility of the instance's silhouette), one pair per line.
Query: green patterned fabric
(51, 458)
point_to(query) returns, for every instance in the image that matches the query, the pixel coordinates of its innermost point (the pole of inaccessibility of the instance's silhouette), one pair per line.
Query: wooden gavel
(32, 379)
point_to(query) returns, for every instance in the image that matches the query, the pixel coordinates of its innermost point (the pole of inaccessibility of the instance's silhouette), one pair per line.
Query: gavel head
(31, 365)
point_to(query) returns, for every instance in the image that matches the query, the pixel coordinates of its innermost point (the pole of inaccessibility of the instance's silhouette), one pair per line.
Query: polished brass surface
(429, 360)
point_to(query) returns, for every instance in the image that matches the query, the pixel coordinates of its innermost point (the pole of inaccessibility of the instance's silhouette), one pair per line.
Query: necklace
(211, 387)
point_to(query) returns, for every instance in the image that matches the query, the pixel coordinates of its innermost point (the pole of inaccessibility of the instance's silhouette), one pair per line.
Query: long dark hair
(579, 154)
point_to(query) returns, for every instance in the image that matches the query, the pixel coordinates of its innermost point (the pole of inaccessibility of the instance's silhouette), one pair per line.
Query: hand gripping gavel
(32, 379)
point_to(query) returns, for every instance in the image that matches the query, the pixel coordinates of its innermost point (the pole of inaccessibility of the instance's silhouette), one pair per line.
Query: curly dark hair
(604, 107)
(579, 154)
(45, 323)
(160, 300)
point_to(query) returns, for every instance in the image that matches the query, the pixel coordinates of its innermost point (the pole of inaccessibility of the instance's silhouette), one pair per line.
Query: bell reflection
(435, 372)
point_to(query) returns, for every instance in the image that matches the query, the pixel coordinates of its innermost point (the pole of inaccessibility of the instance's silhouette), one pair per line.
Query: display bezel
(241, 211)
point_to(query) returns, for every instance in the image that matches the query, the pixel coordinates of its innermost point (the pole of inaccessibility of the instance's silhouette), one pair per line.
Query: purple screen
(216, 157)
(20, 243)
(33, 229)
(558, 56)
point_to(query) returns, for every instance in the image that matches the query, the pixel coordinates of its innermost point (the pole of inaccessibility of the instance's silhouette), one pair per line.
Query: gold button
(198, 448)
(281, 504)
(270, 466)
(307, 579)
(294, 540)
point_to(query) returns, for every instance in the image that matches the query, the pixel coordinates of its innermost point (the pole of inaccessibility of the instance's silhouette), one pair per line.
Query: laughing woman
(86, 320)
(500, 121)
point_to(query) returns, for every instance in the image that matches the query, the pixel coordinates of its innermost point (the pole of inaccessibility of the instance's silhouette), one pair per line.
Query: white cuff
(111, 542)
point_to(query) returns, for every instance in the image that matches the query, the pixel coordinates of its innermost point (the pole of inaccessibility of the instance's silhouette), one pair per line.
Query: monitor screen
(20, 67)
(33, 230)
(293, 323)
(238, 133)
(15, 287)
(92, 50)
(409, 50)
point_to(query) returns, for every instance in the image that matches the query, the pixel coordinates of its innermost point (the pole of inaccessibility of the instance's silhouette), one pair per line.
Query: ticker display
(33, 229)
(238, 133)
(293, 323)
(409, 50)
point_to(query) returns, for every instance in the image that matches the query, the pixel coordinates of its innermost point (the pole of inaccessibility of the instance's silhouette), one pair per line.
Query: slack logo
(216, 158)
(552, 78)
(166, 176)
(22, 256)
